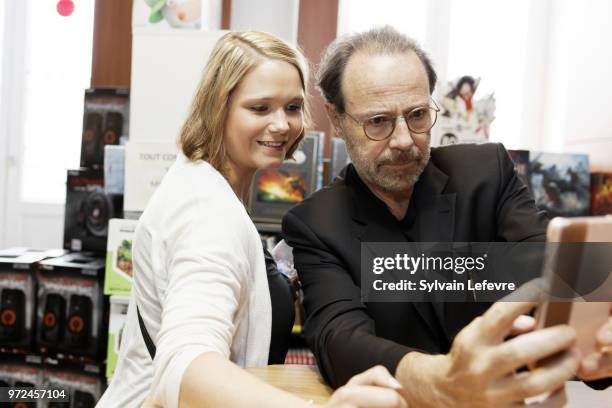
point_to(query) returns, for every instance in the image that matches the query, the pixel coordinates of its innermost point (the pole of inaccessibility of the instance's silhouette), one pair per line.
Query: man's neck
(397, 203)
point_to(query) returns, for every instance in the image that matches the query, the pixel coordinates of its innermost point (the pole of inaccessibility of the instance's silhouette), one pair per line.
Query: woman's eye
(259, 108)
(294, 108)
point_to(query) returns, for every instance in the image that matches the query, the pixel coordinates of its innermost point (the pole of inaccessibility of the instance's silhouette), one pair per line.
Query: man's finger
(530, 348)
(497, 321)
(547, 378)
(522, 324)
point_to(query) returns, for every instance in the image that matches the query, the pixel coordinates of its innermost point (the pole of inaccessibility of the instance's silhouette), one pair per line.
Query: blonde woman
(202, 296)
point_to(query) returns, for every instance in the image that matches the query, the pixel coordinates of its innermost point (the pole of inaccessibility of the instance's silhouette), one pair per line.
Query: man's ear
(334, 118)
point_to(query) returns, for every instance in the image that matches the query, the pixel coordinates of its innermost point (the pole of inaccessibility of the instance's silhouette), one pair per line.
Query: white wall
(26, 219)
(537, 83)
(278, 17)
(579, 81)
(166, 69)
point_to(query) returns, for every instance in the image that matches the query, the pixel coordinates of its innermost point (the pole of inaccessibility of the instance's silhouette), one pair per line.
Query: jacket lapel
(435, 212)
(435, 209)
(436, 215)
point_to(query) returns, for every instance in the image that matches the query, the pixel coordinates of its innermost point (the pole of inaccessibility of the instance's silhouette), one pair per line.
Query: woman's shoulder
(197, 180)
(195, 193)
(188, 171)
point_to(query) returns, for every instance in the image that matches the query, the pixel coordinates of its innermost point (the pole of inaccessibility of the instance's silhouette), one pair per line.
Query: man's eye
(379, 121)
(418, 114)
(259, 108)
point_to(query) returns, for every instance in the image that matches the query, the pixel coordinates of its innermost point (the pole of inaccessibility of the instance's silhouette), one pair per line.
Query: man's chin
(398, 181)
(396, 184)
(398, 188)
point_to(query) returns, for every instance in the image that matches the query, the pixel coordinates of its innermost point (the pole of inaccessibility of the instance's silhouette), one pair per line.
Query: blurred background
(93, 94)
(548, 63)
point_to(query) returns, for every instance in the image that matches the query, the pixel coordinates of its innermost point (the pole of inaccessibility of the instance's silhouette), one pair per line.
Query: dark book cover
(339, 157)
(561, 183)
(520, 158)
(601, 193)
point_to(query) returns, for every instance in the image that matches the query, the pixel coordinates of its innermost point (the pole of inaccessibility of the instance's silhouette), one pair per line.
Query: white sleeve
(207, 263)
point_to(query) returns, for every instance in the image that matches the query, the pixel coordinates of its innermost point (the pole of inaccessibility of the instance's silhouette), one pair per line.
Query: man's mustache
(403, 157)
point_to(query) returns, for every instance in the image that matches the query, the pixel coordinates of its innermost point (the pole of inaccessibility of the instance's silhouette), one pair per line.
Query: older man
(378, 87)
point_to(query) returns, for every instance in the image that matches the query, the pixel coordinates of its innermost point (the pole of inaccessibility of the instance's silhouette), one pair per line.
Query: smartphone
(572, 262)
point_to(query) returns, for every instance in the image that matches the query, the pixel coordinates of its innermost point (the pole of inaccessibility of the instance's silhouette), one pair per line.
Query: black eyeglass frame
(405, 116)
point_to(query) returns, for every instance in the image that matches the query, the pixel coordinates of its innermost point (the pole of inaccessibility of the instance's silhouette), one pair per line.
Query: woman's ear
(334, 118)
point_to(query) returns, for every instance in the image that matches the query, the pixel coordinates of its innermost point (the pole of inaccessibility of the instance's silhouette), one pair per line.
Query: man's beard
(393, 173)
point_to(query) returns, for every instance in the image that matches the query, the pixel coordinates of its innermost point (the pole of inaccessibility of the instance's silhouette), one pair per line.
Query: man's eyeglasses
(381, 126)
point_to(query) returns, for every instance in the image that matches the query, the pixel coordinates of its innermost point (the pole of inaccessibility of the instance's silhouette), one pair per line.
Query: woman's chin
(270, 163)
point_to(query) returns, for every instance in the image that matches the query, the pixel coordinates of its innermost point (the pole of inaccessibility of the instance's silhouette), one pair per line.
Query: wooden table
(301, 380)
(306, 382)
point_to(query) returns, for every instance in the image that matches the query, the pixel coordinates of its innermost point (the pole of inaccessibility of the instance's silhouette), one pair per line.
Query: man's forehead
(381, 78)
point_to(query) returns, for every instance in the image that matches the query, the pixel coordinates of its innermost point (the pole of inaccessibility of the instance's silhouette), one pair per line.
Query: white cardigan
(200, 283)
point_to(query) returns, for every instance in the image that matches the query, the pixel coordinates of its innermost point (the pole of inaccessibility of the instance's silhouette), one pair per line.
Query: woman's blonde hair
(234, 55)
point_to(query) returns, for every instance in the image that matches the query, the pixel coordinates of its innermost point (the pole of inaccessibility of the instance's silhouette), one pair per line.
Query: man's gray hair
(380, 40)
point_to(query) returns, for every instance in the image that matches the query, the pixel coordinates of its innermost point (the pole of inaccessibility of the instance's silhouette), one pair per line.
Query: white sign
(145, 166)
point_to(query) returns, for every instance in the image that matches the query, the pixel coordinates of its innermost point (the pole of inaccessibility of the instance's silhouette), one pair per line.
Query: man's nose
(279, 122)
(401, 138)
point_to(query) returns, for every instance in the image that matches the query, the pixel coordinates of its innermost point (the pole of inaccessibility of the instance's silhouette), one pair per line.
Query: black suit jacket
(467, 193)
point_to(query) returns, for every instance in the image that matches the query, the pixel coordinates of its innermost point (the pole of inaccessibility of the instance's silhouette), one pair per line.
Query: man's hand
(598, 365)
(479, 370)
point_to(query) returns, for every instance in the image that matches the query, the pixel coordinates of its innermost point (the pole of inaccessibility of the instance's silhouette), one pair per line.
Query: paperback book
(561, 183)
(601, 193)
(276, 190)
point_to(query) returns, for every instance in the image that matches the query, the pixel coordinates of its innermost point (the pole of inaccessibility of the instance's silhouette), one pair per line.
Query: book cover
(520, 158)
(114, 169)
(561, 183)
(276, 190)
(118, 271)
(339, 157)
(462, 117)
(601, 193)
(320, 147)
(116, 324)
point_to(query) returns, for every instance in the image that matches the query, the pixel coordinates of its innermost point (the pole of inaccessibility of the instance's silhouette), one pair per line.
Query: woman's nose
(280, 122)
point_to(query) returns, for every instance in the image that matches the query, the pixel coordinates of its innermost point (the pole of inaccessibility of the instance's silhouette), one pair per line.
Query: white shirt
(200, 283)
